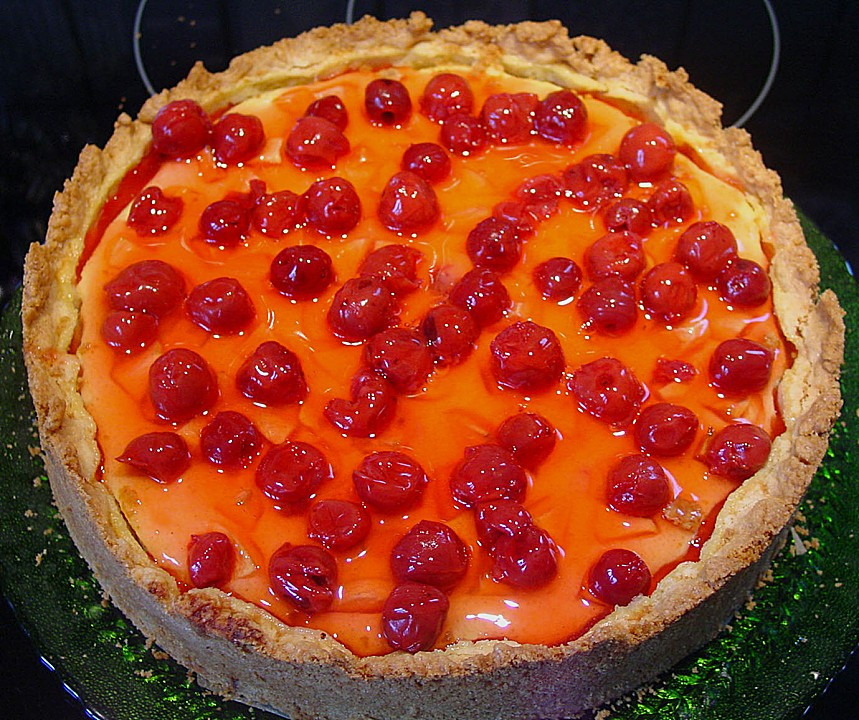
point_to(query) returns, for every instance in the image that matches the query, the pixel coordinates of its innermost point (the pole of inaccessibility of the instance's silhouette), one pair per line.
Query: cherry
(561, 117)
(541, 187)
(180, 129)
(527, 357)
(305, 576)
(338, 524)
(737, 451)
(494, 244)
(370, 409)
(619, 576)
(740, 366)
(509, 117)
(390, 481)
(129, 332)
(211, 559)
(445, 95)
(595, 180)
(524, 216)
(387, 102)
(527, 559)
(292, 471)
(667, 371)
(148, 286)
(332, 206)
(431, 553)
(330, 108)
(361, 307)
(487, 472)
(608, 390)
(499, 517)
(648, 152)
(617, 253)
(668, 292)
(181, 385)
(153, 212)
(638, 486)
(315, 143)
(301, 272)
(463, 134)
(665, 429)
(557, 279)
(413, 615)
(529, 436)
(395, 266)
(706, 248)
(278, 213)
(272, 375)
(428, 160)
(221, 306)
(225, 223)
(400, 356)
(450, 333)
(163, 456)
(481, 292)
(671, 203)
(237, 138)
(628, 214)
(231, 440)
(609, 306)
(408, 203)
(744, 283)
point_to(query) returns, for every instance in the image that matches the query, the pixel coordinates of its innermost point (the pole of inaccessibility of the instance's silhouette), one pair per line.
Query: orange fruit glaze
(458, 407)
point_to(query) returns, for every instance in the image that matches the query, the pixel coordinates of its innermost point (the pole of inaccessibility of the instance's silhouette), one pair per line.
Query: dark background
(67, 68)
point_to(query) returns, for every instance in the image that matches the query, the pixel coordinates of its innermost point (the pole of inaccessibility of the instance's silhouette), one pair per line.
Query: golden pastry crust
(240, 650)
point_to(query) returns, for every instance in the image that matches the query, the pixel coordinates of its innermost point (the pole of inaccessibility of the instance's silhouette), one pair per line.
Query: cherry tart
(393, 370)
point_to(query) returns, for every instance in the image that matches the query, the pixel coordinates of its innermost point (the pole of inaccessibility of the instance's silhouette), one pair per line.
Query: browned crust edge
(241, 650)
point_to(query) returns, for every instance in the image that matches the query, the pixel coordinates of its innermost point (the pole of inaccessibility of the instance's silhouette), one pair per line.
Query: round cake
(390, 371)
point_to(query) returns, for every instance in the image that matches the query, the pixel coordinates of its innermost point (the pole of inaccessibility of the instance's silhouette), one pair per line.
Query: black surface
(67, 69)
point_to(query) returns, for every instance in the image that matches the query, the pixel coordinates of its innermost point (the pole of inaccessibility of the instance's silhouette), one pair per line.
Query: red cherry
(667, 371)
(129, 332)
(211, 559)
(305, 576)
(413, 615)
(628, 214)
(618, 577)
(430, 553)
(428, 160)
(361, 308)
(387, 102)
(389, 481)
(595, 180)
(540, 187)
(638, 486)
(370, 409)
(330, 108)
(740, 366)
(558, 279)
(494, 244)
(527, 559)
(744, 283)
(237, 138)
(481, 292)
(617, 253)
(671, 203)
(527, 357)
(561, 117)
(706, 248)
(278, 213)
(400, 356)
(463, 134)
(338, 524)
(408, 203)
(648, 152)
(225, 223)
(525, 217)
(148, 286)
(394, 265)
(737, 451)
(292, 472)
(665, 429)
(180, 129)
(450, 333)
(221, 306)
(609, 306)
(314, 143)
(499, 517)
(301, 272)
(272, 375)
(332, 206)
(163, 456)
(445, 95)
(608, 390)
(509, 117)
(530, 437)
(230, 440)
(181, 385)
(153, 212)
(668, 292)
(487, 472)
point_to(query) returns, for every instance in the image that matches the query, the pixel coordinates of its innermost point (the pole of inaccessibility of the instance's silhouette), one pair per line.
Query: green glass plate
(778, 654)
